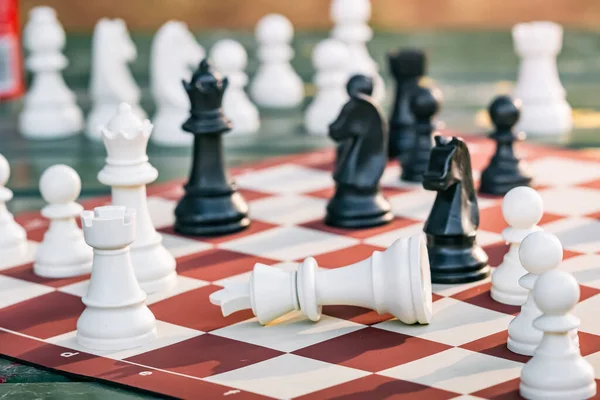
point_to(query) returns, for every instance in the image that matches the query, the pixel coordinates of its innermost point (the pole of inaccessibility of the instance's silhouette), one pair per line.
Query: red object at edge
(11, 68)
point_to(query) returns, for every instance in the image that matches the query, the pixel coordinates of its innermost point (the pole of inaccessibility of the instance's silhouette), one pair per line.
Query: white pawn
(276, 84)
(396, 281)
(111, 82)
(174, 52)
(331, 59)
(230, 59)
(50, 110)
(557, 369)
(63, 252)
(350, 18)
(522, 209)
(115, 317)
(540, 252)
(545, 109)
(13, 239)
(127, 172)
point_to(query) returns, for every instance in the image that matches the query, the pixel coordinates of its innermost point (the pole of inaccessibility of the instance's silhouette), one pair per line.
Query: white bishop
(128, 171)
(13, 239)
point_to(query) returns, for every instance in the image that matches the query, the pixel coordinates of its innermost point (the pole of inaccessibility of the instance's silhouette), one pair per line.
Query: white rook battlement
(537, 37)
(109, 227)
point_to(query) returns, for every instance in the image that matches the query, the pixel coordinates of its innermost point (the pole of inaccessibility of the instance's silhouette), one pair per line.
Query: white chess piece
(350, 18)
(63, 252)
(230, 59)
(127, 172)
(115, 317)
(557, 369)
(395, 281)
(276, 84)
(331, 59)
(540, 252)
(50, 110)
(13, 239)
(545, 110)
(522, 208)
(174, 53)
(111, 82)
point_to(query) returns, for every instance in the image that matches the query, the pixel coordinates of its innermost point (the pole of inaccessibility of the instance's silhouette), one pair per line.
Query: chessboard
(351, 352)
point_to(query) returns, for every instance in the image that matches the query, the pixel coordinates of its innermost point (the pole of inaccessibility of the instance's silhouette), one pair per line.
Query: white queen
(128, 171)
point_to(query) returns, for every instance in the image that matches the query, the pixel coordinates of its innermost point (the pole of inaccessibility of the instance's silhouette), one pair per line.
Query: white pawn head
(4, 171)
(229, 55)
(556, 292)
(330, 54)
(350, 11)
(274, 29)
(60, 184)
(522, 207)
(540, 252)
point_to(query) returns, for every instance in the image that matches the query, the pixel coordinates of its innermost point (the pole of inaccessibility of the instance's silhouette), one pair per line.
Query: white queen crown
(537, 37)
(126, 138)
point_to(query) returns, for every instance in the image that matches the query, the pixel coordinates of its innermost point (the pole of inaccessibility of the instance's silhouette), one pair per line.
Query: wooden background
(148, 15)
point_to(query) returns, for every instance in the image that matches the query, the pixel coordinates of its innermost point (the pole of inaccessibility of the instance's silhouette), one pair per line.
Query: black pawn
(360, 132)
(451, 228)
(407, 66)
(505, 170)
(424, 104)
(211, 205)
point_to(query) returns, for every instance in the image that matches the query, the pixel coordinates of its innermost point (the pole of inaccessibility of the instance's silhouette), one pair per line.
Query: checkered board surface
(352, 352)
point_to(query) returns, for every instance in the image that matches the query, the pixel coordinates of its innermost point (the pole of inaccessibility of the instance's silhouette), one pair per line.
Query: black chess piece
(211, 205)
(361, 134)
(454, 255)
(424, 104)
(407, 66)
(505, 171)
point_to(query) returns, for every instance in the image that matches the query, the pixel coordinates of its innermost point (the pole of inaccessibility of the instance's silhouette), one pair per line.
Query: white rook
(128, 171)
(116, 317)
(396, 281)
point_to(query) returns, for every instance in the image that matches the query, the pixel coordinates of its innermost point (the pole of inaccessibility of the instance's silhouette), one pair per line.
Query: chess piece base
(51, 123)
(350, 208)
(499, 179)
(545, 119)
(198, 215)
(14, 255)
(456, 260)
(116, 344)
(61, 271)
(511, 299)
(154, 267)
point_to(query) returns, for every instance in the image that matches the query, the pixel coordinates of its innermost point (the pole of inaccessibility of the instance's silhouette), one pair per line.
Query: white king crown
(126, 137)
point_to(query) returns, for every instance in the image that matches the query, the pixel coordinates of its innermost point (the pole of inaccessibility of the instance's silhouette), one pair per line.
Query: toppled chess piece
(424, 104)
(545, 108)
(63, 252)
(211, 204)
(451, 227)
(557, 369)
(127, 172)
(522, 209)
(505, 171)
(361, 136)
(539, 253)
(13, 239)
(395, 281)
(50, 108)
(174, 53)
(116, 316)
(407, 67)
(230, 59)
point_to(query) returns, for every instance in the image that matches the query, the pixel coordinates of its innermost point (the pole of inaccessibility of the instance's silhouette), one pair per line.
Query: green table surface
(468, 67)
